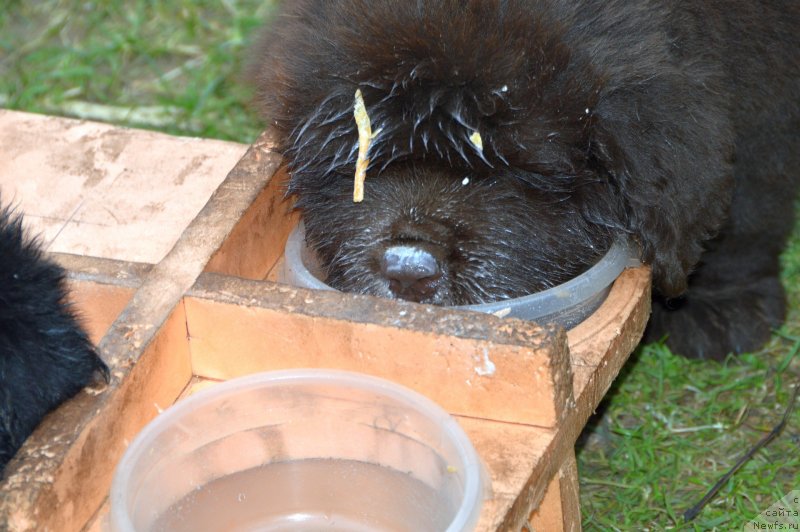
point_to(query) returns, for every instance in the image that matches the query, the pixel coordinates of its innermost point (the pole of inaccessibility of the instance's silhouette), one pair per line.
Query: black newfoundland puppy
(514, 139)
(45, 357)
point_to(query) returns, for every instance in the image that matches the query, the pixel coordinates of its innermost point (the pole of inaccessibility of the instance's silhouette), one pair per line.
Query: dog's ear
(668, 153)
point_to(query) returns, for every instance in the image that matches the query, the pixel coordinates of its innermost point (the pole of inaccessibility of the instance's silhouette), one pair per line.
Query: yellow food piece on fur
(476, 139)
(365, 136)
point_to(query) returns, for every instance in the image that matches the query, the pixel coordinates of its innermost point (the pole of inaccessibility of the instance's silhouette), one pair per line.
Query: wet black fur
(674, 122)
(45, 357)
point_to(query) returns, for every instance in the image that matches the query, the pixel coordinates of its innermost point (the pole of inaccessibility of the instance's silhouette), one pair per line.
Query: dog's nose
(412, 271)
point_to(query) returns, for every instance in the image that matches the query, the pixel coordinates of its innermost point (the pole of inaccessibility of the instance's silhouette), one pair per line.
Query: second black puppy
(516, 138)
(45, 357)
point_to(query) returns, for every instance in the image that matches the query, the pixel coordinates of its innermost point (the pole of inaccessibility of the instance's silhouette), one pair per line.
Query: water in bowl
(311, 495)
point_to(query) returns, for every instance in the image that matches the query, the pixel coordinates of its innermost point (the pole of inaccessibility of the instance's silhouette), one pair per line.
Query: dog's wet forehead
(439, 132)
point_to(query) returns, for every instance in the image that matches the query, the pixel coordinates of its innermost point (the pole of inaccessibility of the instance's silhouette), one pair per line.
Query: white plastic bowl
(334, 450)
(567, 304)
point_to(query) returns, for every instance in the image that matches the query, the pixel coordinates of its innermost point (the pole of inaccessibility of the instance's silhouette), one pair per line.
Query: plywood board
(471, 364)
(105, 191)
(256, 243)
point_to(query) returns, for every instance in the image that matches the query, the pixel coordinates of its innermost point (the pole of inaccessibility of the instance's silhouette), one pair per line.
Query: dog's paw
(712, 323)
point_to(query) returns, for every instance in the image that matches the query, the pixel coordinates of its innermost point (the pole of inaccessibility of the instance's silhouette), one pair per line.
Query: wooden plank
(471, 364)
(605, 339)
(105, 191)
(257, 241)
(102, 271)
(99, 289)
(515, 458)
(97, 305)
(560, 509)
(598, 348)
(617, 325)
(601, 345)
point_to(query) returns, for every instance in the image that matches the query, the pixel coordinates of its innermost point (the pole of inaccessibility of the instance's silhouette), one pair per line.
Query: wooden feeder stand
(210, 310)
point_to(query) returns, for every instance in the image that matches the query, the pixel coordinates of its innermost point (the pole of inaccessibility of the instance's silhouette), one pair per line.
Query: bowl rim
(551, 301)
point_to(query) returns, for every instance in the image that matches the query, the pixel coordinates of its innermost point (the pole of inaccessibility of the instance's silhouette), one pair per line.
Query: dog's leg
(735, 297)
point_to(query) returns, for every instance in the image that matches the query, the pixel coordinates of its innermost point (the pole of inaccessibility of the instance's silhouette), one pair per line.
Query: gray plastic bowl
(567, 304)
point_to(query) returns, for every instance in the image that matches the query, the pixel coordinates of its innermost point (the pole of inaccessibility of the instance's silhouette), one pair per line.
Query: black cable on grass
(695, 510)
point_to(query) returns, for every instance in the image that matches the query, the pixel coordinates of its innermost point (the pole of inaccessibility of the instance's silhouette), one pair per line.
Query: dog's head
(505, 161)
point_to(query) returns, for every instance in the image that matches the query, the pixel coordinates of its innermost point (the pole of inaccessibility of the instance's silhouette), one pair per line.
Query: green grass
(677, 425)
(672, 426)
(172, 66)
